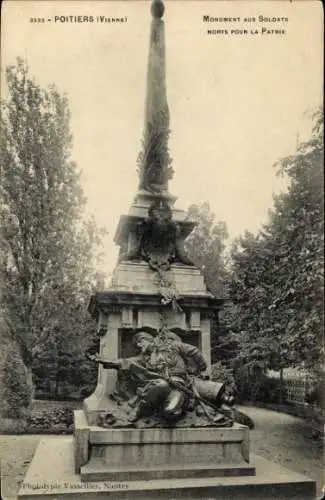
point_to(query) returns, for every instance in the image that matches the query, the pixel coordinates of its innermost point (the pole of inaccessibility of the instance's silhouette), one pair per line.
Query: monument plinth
(156, 426)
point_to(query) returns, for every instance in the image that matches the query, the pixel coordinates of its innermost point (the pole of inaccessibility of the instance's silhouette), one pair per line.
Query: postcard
(153, 156)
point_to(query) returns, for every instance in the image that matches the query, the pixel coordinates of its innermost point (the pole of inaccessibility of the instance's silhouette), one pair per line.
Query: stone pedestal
(159, 453)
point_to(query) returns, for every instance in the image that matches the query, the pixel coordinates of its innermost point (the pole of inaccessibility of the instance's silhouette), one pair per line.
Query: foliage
(13, 426)
(17, 389)
(206, 245)
(316, 395)
(224, 342)
(268, 390)
(222, 373)
(277, 275)
(44, 417)
(258, 387)
(4, 345)
(57, 421)
(251, 289)
(48, 247)
(64, 377)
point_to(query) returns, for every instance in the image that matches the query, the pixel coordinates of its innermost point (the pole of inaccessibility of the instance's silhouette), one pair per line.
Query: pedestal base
(159, 453)
(51, 476)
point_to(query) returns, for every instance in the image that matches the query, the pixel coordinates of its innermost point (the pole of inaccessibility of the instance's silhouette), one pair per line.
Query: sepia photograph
(161, 250)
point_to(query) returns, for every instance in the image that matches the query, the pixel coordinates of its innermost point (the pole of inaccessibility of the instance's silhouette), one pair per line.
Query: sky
(237, 101)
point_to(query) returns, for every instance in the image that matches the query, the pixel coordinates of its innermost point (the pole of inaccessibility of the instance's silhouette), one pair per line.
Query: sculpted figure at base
(165, 385)
(159, 239)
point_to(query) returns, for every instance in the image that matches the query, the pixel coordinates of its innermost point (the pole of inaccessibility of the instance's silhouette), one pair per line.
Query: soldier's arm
(107, 364)
(115, 365)
(191, 352)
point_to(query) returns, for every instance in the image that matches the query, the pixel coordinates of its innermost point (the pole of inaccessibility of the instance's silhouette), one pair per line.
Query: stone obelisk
(154, 160)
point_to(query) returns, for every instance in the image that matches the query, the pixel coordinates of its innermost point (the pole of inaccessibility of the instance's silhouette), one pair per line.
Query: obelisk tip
(157, 9)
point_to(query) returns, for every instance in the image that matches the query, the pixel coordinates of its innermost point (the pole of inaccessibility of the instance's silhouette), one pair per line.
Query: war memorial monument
(156, 426)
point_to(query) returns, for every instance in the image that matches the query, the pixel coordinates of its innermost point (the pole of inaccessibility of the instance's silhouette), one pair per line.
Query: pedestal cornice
(115, 301)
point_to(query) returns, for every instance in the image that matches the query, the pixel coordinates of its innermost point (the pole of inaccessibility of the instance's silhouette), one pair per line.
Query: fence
(296, 383)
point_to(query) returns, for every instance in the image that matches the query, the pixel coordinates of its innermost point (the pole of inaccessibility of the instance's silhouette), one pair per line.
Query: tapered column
(154, 160)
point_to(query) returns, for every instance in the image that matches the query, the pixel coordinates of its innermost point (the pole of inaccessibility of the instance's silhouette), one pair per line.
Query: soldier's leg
(155, 391)
(174, 404)
(151, 397)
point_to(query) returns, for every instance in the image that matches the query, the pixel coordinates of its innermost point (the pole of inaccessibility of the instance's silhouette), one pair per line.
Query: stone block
(138, 277)
(163, 452)
(97, 402)
(81, 433)
(236, 434)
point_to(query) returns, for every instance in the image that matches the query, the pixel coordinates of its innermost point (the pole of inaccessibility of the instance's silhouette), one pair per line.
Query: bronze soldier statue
(168, 380)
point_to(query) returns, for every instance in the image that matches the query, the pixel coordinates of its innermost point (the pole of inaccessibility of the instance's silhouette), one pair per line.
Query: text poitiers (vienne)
(80, 19)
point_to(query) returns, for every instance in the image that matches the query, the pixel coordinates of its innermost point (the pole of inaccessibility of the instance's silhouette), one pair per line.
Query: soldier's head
(143, 341)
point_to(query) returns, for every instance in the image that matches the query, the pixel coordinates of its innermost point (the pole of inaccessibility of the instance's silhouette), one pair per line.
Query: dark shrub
(222, 373)
(315, 396)
(17, 391)
(268, 390)
(86, 391)
(13, 426)
(48, 418)
(258, 387)
(60, 377)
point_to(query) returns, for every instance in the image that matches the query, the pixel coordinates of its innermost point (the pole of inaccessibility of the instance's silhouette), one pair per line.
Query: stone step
(96, 470)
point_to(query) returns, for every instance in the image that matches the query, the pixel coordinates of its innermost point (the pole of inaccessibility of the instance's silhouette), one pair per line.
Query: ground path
(286, 440)
(278, 437)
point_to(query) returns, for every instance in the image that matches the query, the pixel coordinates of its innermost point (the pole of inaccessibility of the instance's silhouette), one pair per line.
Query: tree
(17, 391)
(297, 225)
(47, 245)
(251, 290)
(206, 245)
(278, 275)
